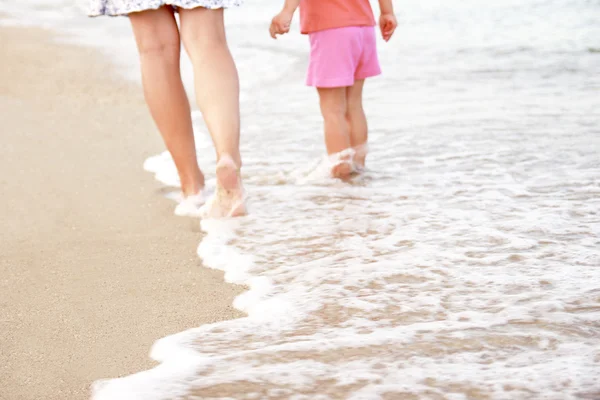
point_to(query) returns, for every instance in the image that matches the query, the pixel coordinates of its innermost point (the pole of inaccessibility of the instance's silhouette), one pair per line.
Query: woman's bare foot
(229, 198)
(192, 197)
(190, 206)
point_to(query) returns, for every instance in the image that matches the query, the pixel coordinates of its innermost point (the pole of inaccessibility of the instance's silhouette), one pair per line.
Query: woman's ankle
(192, 186)
(228, 157)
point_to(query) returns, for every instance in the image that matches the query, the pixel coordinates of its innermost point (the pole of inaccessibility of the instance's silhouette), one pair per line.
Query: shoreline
(96, 267)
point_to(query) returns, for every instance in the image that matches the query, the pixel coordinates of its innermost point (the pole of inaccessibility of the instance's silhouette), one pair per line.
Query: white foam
(190, 206)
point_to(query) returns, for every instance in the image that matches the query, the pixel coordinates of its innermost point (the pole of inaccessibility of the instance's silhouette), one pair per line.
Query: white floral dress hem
(125, 7)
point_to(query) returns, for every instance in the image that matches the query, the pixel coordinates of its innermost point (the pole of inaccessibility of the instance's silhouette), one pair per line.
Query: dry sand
(94, 267)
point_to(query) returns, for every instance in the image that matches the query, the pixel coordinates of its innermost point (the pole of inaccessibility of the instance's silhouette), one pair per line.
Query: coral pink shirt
(317, 15)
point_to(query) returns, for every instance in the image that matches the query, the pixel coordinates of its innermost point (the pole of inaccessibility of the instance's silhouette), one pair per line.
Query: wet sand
(94, 265)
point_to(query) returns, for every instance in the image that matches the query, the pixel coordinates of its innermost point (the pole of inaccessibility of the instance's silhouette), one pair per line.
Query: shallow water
(463, 265)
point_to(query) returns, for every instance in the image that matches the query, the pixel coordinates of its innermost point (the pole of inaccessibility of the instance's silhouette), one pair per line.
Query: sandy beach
(94, 265)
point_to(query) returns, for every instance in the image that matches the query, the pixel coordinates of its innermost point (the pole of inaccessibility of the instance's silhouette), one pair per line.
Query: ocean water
(465, 264)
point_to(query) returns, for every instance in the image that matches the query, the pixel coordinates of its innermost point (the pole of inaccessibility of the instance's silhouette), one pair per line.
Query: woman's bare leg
(216, 77)
(158, 42)
(217, 94)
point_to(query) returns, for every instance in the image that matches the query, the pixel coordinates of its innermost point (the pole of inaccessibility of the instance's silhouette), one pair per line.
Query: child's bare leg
(217, 94)
(158, 42)
(337, 133)
(358, 122)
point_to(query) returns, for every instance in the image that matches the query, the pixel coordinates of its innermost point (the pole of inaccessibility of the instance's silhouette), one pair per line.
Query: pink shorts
(340, 56)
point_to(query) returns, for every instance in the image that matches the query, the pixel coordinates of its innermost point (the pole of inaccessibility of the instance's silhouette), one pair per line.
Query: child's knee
(334, 110)
(354, 111)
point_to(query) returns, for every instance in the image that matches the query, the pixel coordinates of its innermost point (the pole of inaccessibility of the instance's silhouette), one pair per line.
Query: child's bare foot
(342, 165)
(360, 156)
(229, 198)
